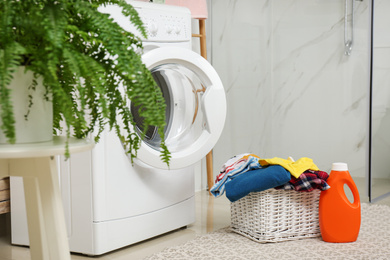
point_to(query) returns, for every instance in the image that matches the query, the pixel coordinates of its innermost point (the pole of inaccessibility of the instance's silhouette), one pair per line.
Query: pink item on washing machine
(198, 8)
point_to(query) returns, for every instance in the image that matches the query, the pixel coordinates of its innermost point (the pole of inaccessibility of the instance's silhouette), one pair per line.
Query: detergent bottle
(339, 218)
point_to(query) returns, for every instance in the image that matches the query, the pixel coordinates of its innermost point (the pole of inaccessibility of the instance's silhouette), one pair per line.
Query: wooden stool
(35, 162)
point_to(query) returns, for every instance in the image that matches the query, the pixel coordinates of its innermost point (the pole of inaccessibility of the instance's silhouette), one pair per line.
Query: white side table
(45, 214)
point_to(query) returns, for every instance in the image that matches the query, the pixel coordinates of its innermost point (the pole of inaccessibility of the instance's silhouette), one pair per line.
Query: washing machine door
(196, 107)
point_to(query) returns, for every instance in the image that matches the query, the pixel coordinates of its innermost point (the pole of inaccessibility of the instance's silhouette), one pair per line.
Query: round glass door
(196, 107)
(182, 92)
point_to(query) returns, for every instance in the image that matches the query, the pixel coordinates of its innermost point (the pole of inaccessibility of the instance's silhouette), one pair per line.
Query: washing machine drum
(196, 107)
(181, 90)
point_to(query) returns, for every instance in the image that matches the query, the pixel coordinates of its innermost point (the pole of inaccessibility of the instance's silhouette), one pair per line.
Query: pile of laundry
(247, 173)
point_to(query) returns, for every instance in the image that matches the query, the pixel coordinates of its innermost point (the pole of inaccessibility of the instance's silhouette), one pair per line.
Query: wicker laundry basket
(276, 215)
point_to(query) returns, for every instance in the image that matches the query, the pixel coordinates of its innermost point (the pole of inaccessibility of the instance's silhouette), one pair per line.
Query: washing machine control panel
(165, 23)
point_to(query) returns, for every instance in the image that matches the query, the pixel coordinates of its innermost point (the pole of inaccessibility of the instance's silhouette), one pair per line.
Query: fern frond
(89, 64)
(9, 62)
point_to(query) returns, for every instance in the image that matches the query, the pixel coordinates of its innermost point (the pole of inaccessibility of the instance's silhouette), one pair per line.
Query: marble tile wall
(291, 90)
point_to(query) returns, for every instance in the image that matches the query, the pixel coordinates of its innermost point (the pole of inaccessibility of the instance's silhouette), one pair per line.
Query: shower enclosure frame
(370, 182)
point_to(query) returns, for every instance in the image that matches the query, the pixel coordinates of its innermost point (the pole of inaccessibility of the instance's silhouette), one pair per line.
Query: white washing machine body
(109, 202)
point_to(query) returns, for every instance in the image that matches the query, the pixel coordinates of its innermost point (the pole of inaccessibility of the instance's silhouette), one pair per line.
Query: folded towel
(256, 180)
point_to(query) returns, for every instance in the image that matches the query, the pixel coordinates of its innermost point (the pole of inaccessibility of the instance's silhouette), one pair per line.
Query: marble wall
(291, 90)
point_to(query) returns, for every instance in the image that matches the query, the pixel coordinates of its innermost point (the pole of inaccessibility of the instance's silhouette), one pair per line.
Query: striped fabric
(232, 168)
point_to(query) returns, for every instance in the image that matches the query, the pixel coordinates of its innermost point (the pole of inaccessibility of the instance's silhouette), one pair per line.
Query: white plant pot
(39, 124)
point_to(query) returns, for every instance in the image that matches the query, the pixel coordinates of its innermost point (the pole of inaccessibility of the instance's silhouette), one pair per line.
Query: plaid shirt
(307, 181)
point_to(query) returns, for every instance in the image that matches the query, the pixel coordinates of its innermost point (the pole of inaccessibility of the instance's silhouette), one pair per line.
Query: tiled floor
(211, 214)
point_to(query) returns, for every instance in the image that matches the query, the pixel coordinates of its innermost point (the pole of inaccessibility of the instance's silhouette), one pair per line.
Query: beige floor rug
(373, 243)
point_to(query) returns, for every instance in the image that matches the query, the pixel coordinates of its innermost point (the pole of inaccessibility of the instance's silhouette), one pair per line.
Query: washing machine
(109, 202)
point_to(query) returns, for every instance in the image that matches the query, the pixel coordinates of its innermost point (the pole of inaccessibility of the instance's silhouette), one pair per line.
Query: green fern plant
(82, 56)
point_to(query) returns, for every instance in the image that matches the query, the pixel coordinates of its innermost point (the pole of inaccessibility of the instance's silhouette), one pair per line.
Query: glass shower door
(380, 102)
(291, 89)
(320, 91)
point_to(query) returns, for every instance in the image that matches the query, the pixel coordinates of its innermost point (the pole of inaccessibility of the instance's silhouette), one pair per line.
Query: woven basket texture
(276, 215)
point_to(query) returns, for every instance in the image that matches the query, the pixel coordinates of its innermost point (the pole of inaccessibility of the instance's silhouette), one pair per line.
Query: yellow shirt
(295, 168)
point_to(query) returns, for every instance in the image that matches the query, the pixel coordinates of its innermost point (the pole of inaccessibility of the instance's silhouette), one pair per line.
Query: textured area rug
(373, 243)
